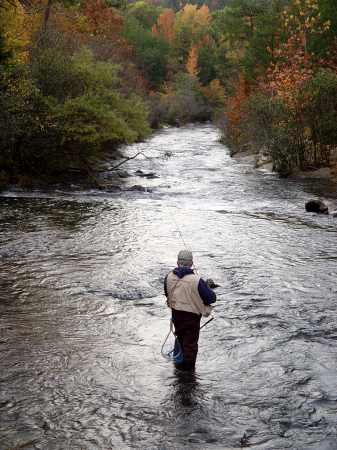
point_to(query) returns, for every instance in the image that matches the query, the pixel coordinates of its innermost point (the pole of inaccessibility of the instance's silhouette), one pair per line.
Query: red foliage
(104, 26)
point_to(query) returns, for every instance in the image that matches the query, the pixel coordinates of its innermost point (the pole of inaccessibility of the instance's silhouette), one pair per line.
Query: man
(189, 297)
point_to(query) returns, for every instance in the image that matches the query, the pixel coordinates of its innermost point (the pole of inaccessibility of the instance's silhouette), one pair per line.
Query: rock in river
(123, 174)
(112, 187)
(138, 187)
(316, 205)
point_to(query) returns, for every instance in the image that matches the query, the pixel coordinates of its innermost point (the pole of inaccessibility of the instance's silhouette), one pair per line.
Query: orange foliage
(235, 104)
(205, 39)
(165, 24)
(296, 65)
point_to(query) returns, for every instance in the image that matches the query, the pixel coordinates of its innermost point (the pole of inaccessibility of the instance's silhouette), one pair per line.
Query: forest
(79, 80)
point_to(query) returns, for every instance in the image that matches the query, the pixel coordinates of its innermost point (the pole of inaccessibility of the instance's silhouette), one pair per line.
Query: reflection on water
(83, 316)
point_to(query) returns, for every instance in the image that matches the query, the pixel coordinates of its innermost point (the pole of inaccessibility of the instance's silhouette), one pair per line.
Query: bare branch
(27, 11)
(62, 13)
(127, 159)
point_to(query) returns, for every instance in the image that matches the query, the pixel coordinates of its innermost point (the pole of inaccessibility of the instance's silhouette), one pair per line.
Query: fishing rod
(208, 321)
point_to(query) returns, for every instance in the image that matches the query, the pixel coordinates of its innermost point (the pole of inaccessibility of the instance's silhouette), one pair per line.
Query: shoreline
(260, 161)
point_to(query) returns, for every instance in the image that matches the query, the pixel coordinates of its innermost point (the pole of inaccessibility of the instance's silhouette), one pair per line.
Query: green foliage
(181, 100)
(5, 54)
(147, 15)
(242, 20)
(207, 61)
(150, 52)
(328, 10)
(182, 44)
(261, 50)
(57, 115)
(320, 112)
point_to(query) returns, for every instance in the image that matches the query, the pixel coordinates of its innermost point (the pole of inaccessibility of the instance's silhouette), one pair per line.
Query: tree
(149, 52)
(165, 24)
(261, 51)
(147, 15)
(193, 19)
(182, 44)
(242, 20)
(192, 62)
(207, 60)
(285, 113)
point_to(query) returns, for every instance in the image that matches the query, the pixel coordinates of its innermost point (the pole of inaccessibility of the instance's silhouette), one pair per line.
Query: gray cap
(185, 258)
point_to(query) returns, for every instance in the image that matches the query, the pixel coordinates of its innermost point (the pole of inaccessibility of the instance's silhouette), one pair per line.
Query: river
(83, 315)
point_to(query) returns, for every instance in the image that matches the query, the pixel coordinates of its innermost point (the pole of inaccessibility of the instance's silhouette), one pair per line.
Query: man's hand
(211, 283)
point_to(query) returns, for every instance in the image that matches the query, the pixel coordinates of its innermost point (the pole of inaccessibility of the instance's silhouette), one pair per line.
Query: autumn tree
(193, 19)
(165, 24)
(284, 111)
(188, 28)
(192, 62)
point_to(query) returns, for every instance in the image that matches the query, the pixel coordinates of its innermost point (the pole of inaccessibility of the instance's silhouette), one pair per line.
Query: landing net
(171, 349)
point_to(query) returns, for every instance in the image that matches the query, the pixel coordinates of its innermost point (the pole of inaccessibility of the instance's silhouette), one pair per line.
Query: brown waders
(187, 327)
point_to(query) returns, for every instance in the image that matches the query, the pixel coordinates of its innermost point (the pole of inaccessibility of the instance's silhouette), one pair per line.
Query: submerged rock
(316, 205)
(123, 174)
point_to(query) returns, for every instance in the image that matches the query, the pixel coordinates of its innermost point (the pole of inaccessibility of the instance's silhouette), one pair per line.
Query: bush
(58, 112)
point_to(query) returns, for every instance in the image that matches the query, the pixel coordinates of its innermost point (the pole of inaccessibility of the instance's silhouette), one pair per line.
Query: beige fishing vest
(183, 294)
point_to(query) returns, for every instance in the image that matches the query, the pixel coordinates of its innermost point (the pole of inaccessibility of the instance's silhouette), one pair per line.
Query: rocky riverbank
(261, 160)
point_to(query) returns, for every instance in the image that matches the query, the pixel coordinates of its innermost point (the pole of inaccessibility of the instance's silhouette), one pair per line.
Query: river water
(83, 314)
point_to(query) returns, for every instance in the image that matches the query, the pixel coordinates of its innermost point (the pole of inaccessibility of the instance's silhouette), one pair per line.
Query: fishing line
(176, 225)
(168, 207)
(180, 233)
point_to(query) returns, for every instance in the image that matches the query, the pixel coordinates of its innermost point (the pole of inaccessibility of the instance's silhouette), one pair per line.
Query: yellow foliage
(191, 65)
(193, 18)
(215, 93)
(18, 29)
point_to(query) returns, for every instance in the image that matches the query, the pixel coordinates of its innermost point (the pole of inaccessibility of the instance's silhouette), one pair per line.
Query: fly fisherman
(189, 297)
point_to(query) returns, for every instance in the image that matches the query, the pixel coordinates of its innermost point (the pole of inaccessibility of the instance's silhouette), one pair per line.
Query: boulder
(316, 205)
(333, 214)
(147, 175)
(138, 187)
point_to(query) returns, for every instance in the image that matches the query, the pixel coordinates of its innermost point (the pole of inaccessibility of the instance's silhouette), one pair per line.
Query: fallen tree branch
(117, 165)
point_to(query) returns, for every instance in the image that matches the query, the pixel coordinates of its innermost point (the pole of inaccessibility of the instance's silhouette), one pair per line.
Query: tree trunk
(46, 15)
